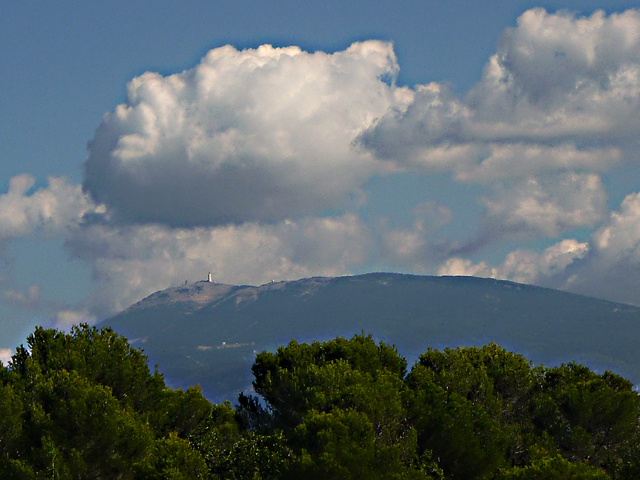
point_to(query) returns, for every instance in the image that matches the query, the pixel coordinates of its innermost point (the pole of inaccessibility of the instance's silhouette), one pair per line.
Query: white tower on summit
(209, 279)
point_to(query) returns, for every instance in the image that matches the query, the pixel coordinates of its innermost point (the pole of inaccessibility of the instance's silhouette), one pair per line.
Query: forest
(86, 405)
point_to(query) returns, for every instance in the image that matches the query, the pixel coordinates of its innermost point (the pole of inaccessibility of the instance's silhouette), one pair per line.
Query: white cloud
(555, 259)
(522, 266)
(556, 76)
(56, 208)
(546, 206)
(612, 268)
(606, 267)
(132, 262)
(561, 92)
(460, 267)
(428, 117)
(619, 239)
(551, 55)
(66, 318)
(255, 135)
(228, 166)
(495, 162)
(5, 355)
(558, 104)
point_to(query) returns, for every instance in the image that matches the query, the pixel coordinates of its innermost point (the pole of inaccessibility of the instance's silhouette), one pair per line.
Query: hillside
(208, 333)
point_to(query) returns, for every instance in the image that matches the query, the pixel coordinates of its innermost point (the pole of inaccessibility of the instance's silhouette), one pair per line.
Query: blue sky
(481, 138)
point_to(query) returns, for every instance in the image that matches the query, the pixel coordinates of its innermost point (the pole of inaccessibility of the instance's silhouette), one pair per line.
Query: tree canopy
(85, 405)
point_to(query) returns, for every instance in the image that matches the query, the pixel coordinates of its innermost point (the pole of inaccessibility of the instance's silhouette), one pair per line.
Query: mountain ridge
(208, 333)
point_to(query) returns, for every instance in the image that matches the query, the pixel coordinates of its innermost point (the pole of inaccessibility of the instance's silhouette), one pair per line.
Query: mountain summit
(208, 333)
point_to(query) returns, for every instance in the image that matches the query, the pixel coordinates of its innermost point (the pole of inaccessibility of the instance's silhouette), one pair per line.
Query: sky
(145, 144)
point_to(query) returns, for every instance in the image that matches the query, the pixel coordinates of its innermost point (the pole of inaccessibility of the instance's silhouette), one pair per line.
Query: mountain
(208, 333)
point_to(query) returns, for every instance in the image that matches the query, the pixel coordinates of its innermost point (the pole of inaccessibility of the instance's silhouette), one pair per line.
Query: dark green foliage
(332, 410)
(216, 433)
(322, 376)
(231, 451)
(172, 458)
(101, 356)
(589, 416)
(340, 407)
(553, 468)
(348, 409)
(85, 405)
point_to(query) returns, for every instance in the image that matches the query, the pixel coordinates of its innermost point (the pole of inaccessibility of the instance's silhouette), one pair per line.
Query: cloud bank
(255, 135)
(254, 165)
(133, 261)
(56, 209)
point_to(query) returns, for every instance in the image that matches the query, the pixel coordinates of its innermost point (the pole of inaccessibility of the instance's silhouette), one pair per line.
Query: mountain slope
(208, 333)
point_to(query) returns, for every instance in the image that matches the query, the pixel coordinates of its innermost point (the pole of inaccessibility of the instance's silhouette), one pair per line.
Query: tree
(85, 405)
(459, 414)
(480, 410)
(553, 468)
(298, 377)
(589, 416)
(347, 409)
(340, 407)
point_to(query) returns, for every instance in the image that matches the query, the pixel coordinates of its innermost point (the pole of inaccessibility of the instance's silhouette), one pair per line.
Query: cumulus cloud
(546, 206)
(523, 266)
(561, 92)
(230, 167)
(548, 56)
(556, 77)
(619, 240)
(5, 355)
(254, 135)
(612, 270)
(130, 262)
(66, 318)
(534, 207)
(55, 209)
(496, 162)
(608, 266)
(428, 119)
(558, 105)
